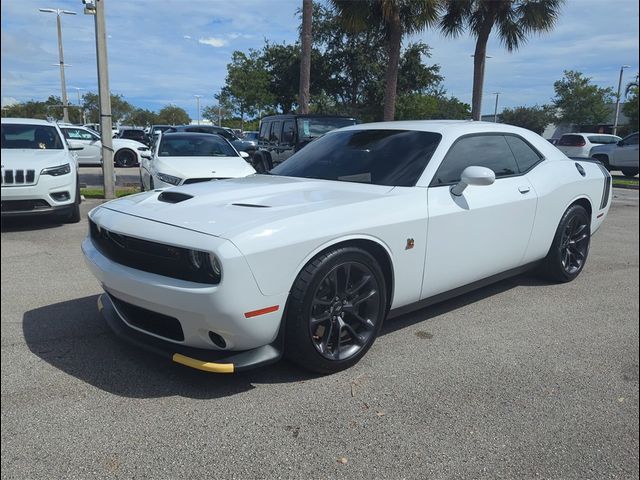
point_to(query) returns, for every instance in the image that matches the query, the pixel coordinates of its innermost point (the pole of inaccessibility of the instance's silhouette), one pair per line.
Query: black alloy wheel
(570, 248)
(344, 311)
(335, 310)
(574, 245)
(125, 158)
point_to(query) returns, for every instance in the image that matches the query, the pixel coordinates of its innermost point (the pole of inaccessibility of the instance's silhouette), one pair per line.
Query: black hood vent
(173, 197)
(250, 205)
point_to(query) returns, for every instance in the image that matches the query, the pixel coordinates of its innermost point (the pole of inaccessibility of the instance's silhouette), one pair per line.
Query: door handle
(524, 190)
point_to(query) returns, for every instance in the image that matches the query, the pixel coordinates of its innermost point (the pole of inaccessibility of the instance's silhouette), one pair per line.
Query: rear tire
(335, 310)
(570, 248)
(630, 172)
(604, 160)
(125, 158)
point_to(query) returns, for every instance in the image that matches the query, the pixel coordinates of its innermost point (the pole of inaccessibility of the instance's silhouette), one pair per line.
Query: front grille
(24, 205)
(152, 322)
(147, 256)
(18, 177)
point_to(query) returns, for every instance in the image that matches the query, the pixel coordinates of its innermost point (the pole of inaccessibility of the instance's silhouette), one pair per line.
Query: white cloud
(213, 41)
(7, 101)
(187, 37)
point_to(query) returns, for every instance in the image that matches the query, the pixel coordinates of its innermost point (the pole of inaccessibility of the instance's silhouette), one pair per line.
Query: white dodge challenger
(365, 223)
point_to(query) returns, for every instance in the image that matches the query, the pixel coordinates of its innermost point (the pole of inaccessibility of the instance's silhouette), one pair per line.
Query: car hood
(204, 167)
(33, 159)
(229, 207)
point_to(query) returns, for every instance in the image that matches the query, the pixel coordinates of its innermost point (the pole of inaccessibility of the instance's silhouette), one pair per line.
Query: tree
(418, 106)
(630, 108)
(173, 115)
(247, 83)
(581, 102)
(50, 108)
(513, 19)
(305, 56)
(395, 19)
(141, 117)
(535, 118)
(120, 108)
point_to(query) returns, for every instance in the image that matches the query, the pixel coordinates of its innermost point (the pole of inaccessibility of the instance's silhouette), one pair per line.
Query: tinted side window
(276, 132)
(264, 132)
(631, 139)
(526, 156)
(491, 151)
(572, 141)
(288, 132)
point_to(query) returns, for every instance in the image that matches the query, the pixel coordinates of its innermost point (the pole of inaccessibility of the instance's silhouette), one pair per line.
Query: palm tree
(631, 86)
(394, 19)
(513, 19)
(305, 59)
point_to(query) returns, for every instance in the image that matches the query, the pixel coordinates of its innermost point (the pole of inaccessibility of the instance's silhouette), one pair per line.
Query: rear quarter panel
(558, 184)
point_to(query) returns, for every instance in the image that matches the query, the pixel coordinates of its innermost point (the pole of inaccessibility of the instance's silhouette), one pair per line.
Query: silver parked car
(619, 156)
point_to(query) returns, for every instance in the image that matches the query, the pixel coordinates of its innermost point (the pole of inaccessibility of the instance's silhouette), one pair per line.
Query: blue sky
(167, 51)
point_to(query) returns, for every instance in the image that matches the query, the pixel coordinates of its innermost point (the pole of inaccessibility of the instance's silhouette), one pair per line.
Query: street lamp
(495, 110)
(58, 12)
(198, 97)
(615, 121)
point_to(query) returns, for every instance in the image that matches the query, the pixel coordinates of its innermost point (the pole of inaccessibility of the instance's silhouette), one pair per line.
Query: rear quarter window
(526, 156)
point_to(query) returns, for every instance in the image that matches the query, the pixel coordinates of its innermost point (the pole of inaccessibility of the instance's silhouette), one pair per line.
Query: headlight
(57, 171)
(170, 179)
(206, 264)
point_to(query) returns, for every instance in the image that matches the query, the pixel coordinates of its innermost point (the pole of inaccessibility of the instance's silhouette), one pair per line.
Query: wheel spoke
(356, 338)
(333, 279)
(360, 285)
(337, 331)
(315, 320)
(364, 297)
(364, 321)
(324, 343)
(347, 276)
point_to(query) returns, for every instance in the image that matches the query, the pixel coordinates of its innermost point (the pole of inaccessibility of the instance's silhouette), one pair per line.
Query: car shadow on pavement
(23, 224)
(73, 337)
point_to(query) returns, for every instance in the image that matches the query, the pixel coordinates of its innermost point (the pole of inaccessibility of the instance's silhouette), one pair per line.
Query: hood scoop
(250, 205)
(173, 197)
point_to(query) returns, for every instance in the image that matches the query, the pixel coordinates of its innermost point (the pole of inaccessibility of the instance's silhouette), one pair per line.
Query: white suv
(579, 145)
(39, 170)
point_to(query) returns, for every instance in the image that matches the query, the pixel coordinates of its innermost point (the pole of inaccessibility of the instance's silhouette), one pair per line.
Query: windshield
(197, 145)
(32, 137)
(379, 157)
(312, 127)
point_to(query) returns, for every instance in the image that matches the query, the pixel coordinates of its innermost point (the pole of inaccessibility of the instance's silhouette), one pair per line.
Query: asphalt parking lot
(521, 379)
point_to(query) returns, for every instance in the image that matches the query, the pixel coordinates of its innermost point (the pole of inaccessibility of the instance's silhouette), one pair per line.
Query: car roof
(190, 134)
(584, 134)
(457, 127)
(304, 115)
(27, 121)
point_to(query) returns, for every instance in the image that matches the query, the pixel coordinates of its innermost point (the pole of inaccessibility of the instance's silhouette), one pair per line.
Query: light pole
(77, 89)
(96, 8)
(495, 110)
(198, 97)
(617, 116)
(65, 103)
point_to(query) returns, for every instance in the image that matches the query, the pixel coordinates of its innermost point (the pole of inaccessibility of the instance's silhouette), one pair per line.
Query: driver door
(626, 156)
(486, 230)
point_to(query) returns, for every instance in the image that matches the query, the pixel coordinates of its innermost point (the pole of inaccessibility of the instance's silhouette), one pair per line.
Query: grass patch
(625, 182)
(99, 192)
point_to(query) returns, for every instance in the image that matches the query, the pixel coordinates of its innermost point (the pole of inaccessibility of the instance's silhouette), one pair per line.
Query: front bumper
(200, 359)
(16, 199)
(200, 309)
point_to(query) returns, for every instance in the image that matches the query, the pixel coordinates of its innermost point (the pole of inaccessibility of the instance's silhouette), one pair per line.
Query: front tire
(74, 214)
(570, 247)
(335, 310)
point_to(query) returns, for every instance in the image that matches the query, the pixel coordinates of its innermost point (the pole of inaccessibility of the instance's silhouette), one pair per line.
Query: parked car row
(613, 152)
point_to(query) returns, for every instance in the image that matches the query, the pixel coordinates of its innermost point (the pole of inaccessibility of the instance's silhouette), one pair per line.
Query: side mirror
(478, 176)
(144, 152)
(621, 143)
(244, 154)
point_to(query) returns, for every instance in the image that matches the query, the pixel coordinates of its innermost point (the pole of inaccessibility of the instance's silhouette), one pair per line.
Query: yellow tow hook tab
(202, 365)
